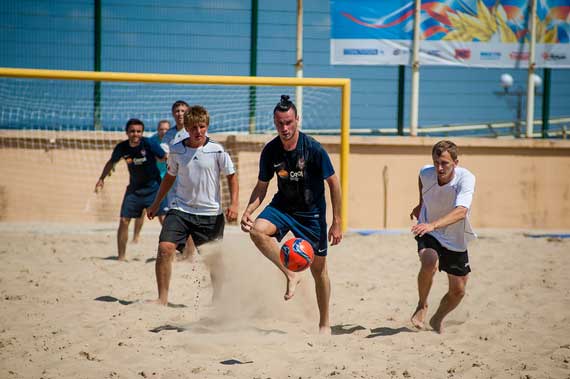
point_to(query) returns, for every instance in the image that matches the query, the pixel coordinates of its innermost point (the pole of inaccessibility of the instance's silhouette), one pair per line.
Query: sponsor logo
(139, 161)
(282, 173)
(129, 160)
(462, 53)
(490, 55)
(363, 52)
(554, 56)
(143, 152)
(433, 53)
(400, 52)
(519, 56)
(295, 175)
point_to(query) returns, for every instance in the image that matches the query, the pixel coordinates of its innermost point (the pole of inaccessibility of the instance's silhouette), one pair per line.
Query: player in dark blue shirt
(141, 155)
(302, 166)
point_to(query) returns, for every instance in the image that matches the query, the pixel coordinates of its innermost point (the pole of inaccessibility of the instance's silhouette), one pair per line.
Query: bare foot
(419, 316)
(325, 330)
(436, 324)
(122, 259)
(135, 240)
(292, 282)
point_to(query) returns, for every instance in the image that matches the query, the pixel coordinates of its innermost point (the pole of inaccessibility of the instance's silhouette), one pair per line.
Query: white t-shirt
(440, 200)
(172, 137)
(197, 174)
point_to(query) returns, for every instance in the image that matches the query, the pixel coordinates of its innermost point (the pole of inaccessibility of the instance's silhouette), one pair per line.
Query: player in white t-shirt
(443, 230)
(195, 212)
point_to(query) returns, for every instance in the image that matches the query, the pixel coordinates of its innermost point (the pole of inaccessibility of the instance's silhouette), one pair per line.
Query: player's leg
(323, 289)
(187, 251)
(205, 229)
(139, 222)
(272, 223)
(174, 231)
(132, 207)
(456, 265)
(429, 264)
(450, 300)
(123, 237)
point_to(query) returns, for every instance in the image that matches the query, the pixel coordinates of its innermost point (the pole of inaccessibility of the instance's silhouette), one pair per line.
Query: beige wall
(520, 183)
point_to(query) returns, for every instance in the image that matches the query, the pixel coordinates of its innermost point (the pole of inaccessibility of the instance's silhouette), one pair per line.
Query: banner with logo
(477, 33)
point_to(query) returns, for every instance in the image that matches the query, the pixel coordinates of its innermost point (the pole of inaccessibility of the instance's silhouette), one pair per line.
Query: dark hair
(443, 146)
(284, 105)
(179, 102)
(133, 121)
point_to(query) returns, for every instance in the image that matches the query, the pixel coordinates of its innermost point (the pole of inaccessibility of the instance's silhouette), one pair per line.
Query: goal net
(57, 133)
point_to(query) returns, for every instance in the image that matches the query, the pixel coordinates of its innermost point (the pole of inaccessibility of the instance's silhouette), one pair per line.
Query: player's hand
(416, 212)
(152, 210)
(231, 213)
(246, 222)
(335, 233)
(421, 229)
(99, 185)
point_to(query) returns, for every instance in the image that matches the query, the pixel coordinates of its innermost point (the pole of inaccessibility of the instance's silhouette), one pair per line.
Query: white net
(55, 138)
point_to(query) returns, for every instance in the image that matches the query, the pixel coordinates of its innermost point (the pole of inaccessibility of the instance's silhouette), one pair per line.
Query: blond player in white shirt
(195, 213)
(443, 231)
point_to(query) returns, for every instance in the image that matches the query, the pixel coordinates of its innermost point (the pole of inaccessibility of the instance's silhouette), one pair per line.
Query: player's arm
(106, 170)
(335, 231)
(159, 153)
(231, 212)
(457, 214)
(165, 186)
(257, 195)
(416, 211)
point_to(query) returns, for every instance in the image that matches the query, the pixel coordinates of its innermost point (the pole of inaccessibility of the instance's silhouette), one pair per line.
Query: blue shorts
(134, 204)
(309, 226)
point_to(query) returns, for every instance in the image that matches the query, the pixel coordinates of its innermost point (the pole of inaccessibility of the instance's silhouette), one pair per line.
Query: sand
(70, 310)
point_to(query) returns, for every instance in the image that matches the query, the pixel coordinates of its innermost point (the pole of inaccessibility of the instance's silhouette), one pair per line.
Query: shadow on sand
(385, 331)
(111, 299)
(340, 329)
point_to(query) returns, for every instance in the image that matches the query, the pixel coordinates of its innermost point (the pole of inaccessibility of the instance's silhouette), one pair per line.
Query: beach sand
(70, 310)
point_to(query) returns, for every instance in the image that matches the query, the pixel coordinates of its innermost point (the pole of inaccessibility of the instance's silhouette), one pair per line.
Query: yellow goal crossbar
(342, 83)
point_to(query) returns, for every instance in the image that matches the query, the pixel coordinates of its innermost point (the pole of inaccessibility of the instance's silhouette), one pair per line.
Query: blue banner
(481, 33)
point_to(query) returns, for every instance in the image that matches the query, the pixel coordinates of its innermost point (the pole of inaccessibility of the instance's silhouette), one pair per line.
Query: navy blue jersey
(300, 174)
(141, 161)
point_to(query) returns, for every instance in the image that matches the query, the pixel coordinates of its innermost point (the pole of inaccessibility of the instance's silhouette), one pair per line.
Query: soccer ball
(296, 254)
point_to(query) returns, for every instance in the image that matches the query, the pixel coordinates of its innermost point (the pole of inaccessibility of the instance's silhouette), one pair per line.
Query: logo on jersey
(139, 161)
(296, 175)
(143, 152)
(282, 174)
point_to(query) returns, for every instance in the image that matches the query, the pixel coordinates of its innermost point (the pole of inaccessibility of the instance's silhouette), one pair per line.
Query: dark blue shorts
(309, 226)
(133, 204)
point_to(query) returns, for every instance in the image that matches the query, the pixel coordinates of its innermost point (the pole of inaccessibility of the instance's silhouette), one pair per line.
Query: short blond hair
(196, 114)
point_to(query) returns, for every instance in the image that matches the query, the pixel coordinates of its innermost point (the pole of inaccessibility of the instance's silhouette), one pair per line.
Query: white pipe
(299, 63)
(531, 67)
(415, 72)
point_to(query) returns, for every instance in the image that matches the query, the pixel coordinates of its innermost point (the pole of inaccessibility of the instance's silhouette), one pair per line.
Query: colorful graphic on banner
(481, 33)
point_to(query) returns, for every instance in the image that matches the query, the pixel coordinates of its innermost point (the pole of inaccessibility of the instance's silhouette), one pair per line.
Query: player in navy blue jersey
(302, 166)
(141, 155)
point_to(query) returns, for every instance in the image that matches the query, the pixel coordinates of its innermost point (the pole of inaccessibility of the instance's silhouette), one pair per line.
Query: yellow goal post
(343, 84)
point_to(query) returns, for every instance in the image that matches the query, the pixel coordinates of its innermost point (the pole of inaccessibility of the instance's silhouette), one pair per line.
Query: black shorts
(453, 262)
(179, 225)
